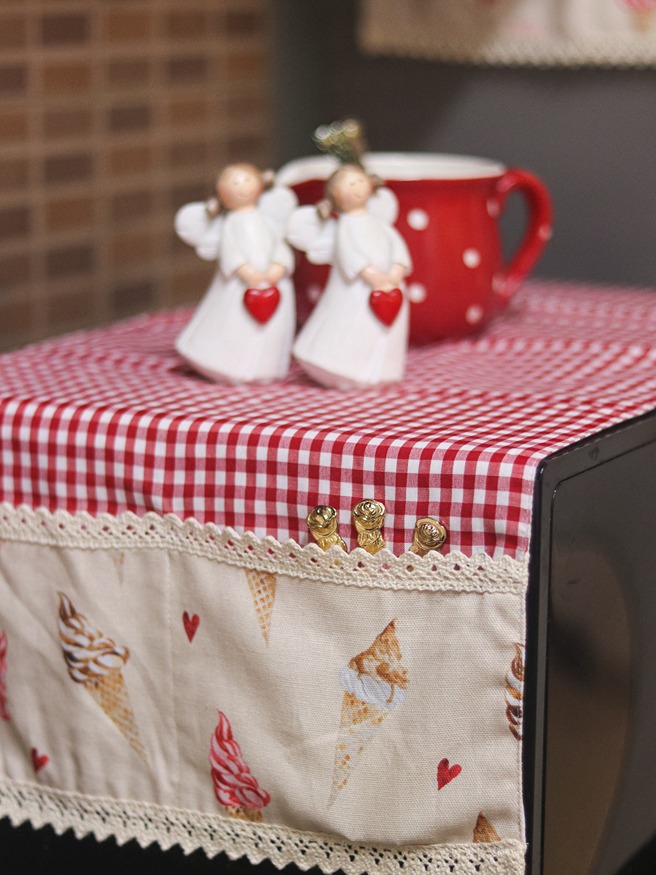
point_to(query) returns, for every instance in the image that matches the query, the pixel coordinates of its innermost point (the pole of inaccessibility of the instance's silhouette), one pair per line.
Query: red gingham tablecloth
(111, 420)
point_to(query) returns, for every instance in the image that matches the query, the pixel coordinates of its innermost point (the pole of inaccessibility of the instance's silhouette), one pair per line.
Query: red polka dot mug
(449, 210)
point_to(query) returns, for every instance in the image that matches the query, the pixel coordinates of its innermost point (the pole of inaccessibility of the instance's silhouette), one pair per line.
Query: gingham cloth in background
(112, 420)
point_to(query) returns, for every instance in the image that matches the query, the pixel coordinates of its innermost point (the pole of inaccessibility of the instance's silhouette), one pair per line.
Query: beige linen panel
(278, 683)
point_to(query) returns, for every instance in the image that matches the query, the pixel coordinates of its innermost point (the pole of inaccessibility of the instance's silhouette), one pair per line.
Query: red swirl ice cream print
(235, 785)
(4, 711)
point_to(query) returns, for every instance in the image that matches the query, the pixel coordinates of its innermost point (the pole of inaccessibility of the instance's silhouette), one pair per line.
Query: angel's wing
(195, 227)
(384, 205)
(311, 234)
(278, 204)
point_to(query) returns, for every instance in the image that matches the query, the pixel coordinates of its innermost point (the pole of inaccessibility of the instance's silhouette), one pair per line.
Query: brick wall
(112, 114)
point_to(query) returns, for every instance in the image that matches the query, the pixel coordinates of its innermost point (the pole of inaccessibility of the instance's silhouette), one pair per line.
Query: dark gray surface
(589, 134)
(590, 709)
(26, 851)
(601, 715)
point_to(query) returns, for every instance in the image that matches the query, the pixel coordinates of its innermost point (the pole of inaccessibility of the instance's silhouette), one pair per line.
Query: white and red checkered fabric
(111, 420)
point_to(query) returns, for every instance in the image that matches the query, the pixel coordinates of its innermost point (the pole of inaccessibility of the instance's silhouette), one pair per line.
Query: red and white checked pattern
(112, 420)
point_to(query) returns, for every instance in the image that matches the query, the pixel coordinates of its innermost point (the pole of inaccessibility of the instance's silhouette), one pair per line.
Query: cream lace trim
(390, 35)
(436, 571)
(148, 823)
(602, 54)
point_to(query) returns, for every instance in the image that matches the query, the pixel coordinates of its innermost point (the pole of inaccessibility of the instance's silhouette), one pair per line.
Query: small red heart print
(39, 760)
(386, 305)
(190, 624)
(262, 303)
(446, 774)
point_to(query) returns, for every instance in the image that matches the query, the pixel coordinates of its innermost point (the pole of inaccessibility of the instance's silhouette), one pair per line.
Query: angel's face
(238, 187)
(352, 189)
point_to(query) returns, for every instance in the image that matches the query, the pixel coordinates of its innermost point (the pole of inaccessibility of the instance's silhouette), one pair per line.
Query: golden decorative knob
(369, 518)
(343, 139)
(429, 534)
(322, 523)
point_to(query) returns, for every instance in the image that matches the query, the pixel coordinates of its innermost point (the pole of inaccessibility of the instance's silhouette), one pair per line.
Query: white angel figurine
(357, 335)
(242, 330)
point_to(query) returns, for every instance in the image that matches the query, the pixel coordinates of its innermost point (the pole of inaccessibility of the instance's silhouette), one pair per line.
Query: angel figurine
(357, 335)
(242, 330)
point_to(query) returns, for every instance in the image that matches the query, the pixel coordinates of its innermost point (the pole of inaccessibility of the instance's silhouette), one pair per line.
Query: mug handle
(539, 226)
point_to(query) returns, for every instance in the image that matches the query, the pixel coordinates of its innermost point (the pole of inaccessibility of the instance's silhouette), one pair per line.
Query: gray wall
(590, 134)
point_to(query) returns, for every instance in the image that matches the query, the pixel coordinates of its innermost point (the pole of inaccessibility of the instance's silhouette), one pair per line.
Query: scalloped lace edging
(435, 571)
(384, 37)
(570, 55)
(148, 823)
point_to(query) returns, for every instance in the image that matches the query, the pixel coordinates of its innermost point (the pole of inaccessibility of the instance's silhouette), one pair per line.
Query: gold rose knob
(369, 518)
(343, 139)
(322, 523)
(429, 534)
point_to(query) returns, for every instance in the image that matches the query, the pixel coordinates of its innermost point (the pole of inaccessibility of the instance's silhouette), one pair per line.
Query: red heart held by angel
(262, 303)
(386, 305)
(446, 773)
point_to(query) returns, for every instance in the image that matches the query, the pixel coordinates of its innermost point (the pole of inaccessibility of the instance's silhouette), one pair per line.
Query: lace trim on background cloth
(602, 54)
(434, 572)
(191, 830)
(383, 30)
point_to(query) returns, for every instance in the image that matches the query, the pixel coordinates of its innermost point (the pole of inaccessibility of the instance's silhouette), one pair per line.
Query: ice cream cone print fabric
(374, 683)
(262, 585)
(515, 693)
(235, 786)
(332, 724)
(4, 710)
(88, 670)
(96, 663)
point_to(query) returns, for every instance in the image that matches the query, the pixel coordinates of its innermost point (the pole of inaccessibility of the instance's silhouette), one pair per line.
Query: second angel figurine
(242, 330)
(357, 335)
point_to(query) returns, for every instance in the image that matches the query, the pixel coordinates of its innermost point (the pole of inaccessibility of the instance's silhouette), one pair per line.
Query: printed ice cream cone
(374, 684)
(252, 815)
(358, 724)
(262, 585)
(4, 711)
(235, 786)
(642, 19)
(642, 14)
(484, 831)
(96, 663)
(111, 694)
(514, 694)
